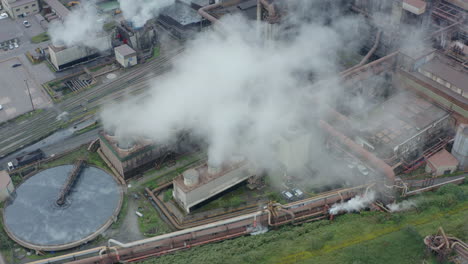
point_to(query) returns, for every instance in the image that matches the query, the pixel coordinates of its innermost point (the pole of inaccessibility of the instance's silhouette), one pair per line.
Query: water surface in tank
(34, 217)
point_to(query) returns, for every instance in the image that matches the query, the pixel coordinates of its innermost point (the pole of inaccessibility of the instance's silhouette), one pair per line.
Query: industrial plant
(187, 122)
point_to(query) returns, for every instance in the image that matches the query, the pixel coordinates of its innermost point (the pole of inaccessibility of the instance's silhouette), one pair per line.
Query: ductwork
(270, 7)
(363, 154)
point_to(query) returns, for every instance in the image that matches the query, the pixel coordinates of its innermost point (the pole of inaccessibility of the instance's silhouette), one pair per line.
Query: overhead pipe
(204, 10)
(368, 55)
(362, 153)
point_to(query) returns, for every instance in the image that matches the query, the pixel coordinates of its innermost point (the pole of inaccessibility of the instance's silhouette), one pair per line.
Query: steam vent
(62, 207)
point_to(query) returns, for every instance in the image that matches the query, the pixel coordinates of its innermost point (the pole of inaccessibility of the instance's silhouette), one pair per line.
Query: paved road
(17, 135)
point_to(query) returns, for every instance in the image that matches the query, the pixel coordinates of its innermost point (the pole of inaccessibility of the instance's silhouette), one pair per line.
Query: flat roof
(4, 179)
(205, 177)
(398, 119)
(443, 159)
(183, 13)
(9, 30)
(416, 3)
(457, 77)
(21, 2)
(59, 8)
(125, 50)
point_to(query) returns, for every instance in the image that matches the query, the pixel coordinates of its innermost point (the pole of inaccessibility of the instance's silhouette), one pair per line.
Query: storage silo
(191, 177)
(460, 146)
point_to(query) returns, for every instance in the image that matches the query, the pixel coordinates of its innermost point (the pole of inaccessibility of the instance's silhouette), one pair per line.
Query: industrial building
(129, 157)
(20, 8)
(63, 57)
(402, 127)
(125, 55)
(6, 186)
(441, 163)
(181, 19)
(197, 185)
(141, 39)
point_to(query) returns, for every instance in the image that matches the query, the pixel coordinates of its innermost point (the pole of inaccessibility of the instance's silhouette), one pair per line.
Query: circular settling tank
(34, 220)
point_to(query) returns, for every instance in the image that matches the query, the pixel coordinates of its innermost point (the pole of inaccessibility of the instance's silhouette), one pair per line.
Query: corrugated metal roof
(447, 73)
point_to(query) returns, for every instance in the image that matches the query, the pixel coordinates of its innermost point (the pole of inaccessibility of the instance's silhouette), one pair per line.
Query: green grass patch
(40, 38)
(156, 53)
(150, 223)
(27, 115)
(122, 213)
(366, 237)
(167, 195)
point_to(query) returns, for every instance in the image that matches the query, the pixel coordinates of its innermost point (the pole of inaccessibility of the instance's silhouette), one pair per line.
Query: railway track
(18, 135)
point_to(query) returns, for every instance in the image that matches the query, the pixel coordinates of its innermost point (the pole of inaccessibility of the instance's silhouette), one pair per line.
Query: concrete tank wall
(460, 146)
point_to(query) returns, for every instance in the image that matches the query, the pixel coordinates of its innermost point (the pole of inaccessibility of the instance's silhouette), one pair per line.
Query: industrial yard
(243, 131)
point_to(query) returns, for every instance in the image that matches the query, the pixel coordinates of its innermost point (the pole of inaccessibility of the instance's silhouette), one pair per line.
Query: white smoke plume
(356, 203)
(403, 206)
(83, 26)
(238, 92)
(140, 11)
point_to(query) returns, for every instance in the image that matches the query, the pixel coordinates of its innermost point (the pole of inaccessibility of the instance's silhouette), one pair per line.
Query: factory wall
(64, 57)
(205, 191)
(441, 170)
(126, 61)
(134, 162)
(114, 160)
(28, 8)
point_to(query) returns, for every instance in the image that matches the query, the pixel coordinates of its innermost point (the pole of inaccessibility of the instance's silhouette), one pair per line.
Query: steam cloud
(140, 11)
(357, 203)
(236, 91)
(404, 205)
(81, 27)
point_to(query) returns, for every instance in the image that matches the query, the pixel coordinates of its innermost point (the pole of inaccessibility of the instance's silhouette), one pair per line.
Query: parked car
(1, 107)
(11, 46)
(363, 169)
(298, 193)
(26, 23)
(16, 45)
(3, 15)
(287, 195)
(16, 65)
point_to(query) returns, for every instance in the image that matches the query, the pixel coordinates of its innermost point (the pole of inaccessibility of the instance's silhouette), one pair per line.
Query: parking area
(14, 95)
(34, 27)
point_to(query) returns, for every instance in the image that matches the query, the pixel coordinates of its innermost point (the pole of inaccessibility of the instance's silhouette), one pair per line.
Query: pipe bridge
(70, 181)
